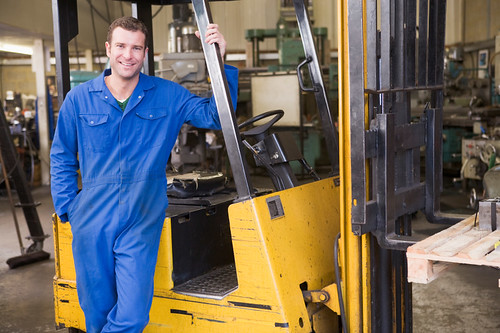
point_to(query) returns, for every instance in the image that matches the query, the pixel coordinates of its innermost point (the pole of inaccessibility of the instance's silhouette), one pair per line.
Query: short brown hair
(128, 23)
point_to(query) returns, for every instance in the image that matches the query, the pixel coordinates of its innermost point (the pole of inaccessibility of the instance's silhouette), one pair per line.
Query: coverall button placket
(121, 200)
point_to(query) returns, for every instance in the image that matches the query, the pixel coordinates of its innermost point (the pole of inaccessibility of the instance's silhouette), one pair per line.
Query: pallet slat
(436, 240)
(482, 247)
(459, 242)
(494, 256)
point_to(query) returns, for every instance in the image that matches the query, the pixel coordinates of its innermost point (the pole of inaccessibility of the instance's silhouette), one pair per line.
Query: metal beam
(357, 116)
(227, 117)
(65, 18)
(318, 84)
(142, 11)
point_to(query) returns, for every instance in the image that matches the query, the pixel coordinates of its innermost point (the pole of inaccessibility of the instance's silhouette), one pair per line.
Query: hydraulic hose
(338, 280)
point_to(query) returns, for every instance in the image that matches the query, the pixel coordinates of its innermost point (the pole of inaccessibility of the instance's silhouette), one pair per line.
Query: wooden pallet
(461, 243)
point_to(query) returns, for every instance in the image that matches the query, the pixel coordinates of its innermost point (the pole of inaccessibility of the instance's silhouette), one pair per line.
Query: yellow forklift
(327, 256)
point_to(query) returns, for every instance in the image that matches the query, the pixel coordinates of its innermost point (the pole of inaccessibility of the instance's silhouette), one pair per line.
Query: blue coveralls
(117, 217)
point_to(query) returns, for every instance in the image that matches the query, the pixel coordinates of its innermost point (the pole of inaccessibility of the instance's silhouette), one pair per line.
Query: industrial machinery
(12, 170)
(268, 85)
(320, 257)
(470, 116)
(288, 41)
(184, 63)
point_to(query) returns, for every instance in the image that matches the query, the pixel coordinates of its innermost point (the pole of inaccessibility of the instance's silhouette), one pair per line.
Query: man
(118, 130)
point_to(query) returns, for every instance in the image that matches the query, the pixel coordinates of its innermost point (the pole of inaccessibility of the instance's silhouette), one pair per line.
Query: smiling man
(118, 131)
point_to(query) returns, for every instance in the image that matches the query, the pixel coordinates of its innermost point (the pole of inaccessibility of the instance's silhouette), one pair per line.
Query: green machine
(291, 58)
(288, 42)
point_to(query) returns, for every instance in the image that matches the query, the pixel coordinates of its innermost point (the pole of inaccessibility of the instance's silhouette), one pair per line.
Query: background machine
(326, 256)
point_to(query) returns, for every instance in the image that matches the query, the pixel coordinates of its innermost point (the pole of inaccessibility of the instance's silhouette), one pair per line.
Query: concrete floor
(464, 299)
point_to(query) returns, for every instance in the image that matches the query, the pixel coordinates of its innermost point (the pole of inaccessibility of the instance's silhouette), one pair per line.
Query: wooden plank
(482, 247)
(440, 238)
(424, 271)
(455, 259)
(459, 242)
(494, 257)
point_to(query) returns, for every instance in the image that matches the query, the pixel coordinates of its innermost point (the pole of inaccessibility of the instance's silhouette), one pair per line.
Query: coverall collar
(145, 83)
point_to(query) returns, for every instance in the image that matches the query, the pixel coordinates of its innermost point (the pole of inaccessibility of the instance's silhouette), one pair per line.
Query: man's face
(126, 53)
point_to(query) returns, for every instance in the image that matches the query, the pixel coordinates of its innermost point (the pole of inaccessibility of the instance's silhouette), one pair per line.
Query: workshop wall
(234, 17)
(467, 20)
(37, 19)
(481, 20)
(19, 79)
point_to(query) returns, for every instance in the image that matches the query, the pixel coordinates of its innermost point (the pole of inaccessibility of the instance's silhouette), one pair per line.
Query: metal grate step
(215, 284)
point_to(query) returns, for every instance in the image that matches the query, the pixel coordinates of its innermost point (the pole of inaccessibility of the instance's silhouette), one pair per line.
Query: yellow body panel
(273, 258)
(67, 309)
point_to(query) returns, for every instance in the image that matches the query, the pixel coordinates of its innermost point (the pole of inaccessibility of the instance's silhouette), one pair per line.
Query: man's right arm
(64, 160)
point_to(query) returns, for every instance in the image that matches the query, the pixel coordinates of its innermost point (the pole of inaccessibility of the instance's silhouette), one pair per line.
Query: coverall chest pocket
(151, 126)
(96, 132)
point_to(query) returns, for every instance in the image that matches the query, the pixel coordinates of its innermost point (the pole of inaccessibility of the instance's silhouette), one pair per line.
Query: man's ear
(108, 49)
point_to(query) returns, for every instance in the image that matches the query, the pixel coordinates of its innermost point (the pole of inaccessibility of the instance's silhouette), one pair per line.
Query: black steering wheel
(261, 129)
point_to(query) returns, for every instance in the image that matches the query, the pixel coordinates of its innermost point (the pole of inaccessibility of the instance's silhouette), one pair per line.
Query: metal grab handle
(301, 80)
(224, 105)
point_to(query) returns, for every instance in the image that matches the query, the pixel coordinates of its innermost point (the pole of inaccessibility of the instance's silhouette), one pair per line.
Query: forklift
(326, 256)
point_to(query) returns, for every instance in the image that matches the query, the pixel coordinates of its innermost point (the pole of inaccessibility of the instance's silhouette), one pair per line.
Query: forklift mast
(389, 61)
(388, 50)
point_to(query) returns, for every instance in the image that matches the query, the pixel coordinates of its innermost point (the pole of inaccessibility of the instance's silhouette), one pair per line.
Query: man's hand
(213, 35)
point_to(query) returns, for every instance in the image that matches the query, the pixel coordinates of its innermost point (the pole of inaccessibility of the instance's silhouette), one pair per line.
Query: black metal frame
(65, 20)
(397, 64)
(318, 86)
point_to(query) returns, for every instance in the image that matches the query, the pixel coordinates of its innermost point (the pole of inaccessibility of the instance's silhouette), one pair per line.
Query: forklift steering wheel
(258, 130)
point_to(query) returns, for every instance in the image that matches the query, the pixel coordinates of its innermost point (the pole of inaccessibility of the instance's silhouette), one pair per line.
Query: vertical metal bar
(398, 52)
(411, 26)
(397, 291)
(433, 162)
(65, 18)
(142, 11)
(224, 105)
(432, 42)
(407, 296)
(401, 166)
(357, 113)
(317, 82)
(371, 45)
(385, 166)
(385, 45)
(422, 42)
(441, 25)
(381, 289)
